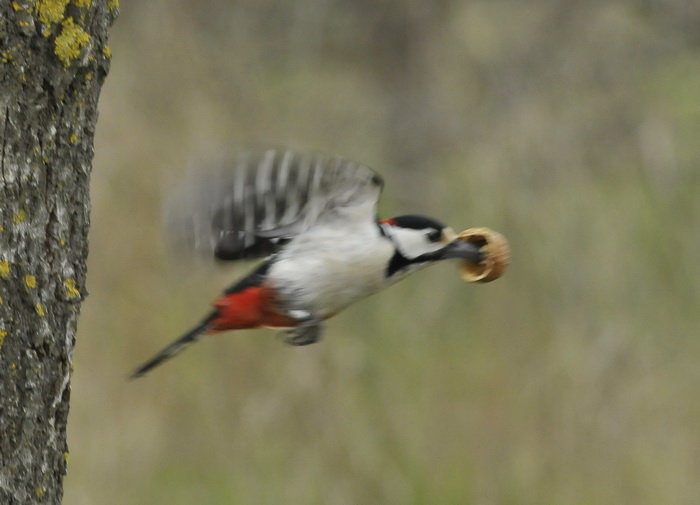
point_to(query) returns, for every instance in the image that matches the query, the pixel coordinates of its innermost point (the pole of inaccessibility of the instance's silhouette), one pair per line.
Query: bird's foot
(308, 331)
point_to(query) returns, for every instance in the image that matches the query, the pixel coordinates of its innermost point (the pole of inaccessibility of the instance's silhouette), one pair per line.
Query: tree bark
(53, 60)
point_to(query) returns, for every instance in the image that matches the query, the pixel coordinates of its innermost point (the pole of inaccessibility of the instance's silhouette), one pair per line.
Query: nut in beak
(496, 252)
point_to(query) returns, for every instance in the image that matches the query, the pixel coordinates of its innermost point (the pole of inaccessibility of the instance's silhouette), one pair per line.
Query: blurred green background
(571, 126)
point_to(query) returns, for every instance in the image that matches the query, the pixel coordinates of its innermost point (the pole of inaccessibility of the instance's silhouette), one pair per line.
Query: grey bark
(53, 60)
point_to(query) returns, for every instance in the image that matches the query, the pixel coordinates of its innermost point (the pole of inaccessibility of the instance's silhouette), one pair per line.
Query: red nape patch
(250, 308)
(390, 221)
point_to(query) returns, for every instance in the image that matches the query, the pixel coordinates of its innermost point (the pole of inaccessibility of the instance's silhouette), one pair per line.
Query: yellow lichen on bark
(50, 11)
(70, 41)
(71, 289)
(4, 269)
(30, 281)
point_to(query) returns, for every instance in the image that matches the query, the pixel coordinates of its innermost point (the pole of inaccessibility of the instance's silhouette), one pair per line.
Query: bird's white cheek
(413, 243)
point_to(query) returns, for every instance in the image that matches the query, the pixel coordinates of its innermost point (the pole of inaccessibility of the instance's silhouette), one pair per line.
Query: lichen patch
(71, 289)
(70, 42)
(30, 281)
(4, 269)
(50, 11)
(19, 217)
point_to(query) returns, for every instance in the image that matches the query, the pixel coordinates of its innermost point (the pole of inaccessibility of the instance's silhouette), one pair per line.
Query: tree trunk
(53, 60)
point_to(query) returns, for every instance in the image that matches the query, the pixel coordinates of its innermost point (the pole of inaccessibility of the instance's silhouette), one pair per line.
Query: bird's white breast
(329, 267)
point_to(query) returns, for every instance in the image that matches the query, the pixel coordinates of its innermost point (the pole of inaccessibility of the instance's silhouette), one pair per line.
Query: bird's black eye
(434, 235)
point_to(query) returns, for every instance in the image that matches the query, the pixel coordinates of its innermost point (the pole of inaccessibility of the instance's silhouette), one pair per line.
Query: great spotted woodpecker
(313, 218)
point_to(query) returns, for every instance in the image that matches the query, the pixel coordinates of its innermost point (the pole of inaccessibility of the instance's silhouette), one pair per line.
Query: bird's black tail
(174, 348)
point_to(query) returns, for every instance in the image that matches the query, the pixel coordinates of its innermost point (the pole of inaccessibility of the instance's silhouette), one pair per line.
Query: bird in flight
(313, 220)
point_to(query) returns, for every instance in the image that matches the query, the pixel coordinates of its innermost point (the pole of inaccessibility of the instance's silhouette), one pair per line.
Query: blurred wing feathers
(245, 206)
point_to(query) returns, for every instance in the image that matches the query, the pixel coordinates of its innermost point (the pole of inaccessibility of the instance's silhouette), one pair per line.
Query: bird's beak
(462, 250)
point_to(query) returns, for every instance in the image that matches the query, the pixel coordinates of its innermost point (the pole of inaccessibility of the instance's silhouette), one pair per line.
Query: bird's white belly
(324, 271)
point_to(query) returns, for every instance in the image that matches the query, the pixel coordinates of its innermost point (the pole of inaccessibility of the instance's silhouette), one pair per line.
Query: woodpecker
(313, 218)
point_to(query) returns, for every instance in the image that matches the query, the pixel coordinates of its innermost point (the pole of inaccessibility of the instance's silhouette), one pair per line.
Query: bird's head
(421, 241)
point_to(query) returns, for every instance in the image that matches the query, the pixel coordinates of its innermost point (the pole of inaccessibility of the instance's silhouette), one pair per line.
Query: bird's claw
(308, 331)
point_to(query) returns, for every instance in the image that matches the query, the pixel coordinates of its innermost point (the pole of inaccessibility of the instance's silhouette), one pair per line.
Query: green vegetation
(571, 127)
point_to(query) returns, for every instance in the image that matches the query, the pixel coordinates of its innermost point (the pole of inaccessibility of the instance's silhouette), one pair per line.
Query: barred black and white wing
(246, 205)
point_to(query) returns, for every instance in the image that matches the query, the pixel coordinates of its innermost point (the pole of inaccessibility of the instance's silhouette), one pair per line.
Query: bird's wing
(243, 206)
